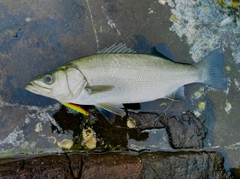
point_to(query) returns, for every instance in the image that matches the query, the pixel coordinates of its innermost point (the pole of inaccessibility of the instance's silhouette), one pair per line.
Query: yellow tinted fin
(76, 107)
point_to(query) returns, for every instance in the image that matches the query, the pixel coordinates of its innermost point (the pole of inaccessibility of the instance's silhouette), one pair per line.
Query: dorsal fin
(116, 48)
(162, 50)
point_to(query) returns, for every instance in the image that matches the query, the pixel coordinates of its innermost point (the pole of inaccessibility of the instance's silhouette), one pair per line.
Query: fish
(118, 75)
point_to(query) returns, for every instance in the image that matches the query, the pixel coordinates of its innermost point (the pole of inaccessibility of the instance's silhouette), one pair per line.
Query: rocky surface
(186, 131)
(112, 165)
(146, 120)
(37, 37)
(235, 173)
(52, 166)
(183, 165)
(117, 165)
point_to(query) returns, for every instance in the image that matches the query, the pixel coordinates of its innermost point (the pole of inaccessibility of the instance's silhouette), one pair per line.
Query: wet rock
(112, 165)
(187, 132)
(52, 166)
(8, 118)
(118, 165)
(146, 120)
(183, 165)
(9, 168)
(61, 118)
(114, 137)
(235, 173)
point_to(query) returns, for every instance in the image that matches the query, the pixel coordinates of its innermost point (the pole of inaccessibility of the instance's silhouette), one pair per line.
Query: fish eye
(49, 79)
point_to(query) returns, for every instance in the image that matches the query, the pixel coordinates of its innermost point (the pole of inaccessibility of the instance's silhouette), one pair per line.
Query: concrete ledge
(117, 165)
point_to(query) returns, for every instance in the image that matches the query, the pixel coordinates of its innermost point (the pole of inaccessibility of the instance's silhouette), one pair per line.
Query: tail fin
(211, 70)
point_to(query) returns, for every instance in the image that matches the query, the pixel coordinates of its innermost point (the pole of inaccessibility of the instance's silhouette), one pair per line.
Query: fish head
(64, 84)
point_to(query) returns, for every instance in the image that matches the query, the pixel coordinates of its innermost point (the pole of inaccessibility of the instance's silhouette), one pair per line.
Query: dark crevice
(69, 165)
(17, 33)
(81, 167)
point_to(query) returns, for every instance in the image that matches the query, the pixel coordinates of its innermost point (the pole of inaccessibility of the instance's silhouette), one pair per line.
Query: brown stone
(183, 165)
(111, 165)
(178, 165)
(10, 167)
(52, 166)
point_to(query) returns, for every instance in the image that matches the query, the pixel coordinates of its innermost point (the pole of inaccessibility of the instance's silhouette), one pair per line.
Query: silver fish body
(109, 80)
(135, 78)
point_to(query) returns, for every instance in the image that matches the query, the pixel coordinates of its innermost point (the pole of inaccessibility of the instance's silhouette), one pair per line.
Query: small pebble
(28, 19)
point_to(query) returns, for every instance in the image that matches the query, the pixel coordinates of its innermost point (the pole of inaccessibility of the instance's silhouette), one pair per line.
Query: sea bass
(117, 75)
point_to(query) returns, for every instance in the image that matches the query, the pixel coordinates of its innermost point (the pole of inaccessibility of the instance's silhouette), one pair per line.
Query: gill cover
(70, 83)
(63, 84)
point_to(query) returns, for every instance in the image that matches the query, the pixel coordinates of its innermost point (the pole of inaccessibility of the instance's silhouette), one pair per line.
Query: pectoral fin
(109, 111)
(98, 89)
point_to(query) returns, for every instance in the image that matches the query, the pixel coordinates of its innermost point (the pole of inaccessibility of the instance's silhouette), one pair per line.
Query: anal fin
(110, 110)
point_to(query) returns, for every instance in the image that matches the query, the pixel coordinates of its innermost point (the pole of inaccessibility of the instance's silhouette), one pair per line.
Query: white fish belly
(136, 78)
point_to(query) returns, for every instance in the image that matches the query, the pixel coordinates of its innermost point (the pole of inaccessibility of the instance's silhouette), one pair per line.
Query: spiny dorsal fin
(116, 48)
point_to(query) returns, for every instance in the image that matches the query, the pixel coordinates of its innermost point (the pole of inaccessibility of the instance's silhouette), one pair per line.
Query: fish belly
(136, 78)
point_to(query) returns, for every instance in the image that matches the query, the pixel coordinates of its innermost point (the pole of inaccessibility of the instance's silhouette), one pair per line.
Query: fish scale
(151, 76)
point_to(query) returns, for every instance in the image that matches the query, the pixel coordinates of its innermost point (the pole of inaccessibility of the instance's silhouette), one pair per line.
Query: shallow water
(38, 37)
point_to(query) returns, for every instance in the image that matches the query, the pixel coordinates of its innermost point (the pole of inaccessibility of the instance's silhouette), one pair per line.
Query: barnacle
(131, 123)
(89, 138)
(201, 106)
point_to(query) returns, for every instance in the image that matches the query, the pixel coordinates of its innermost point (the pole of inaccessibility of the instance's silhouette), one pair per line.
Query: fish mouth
(37, 89)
